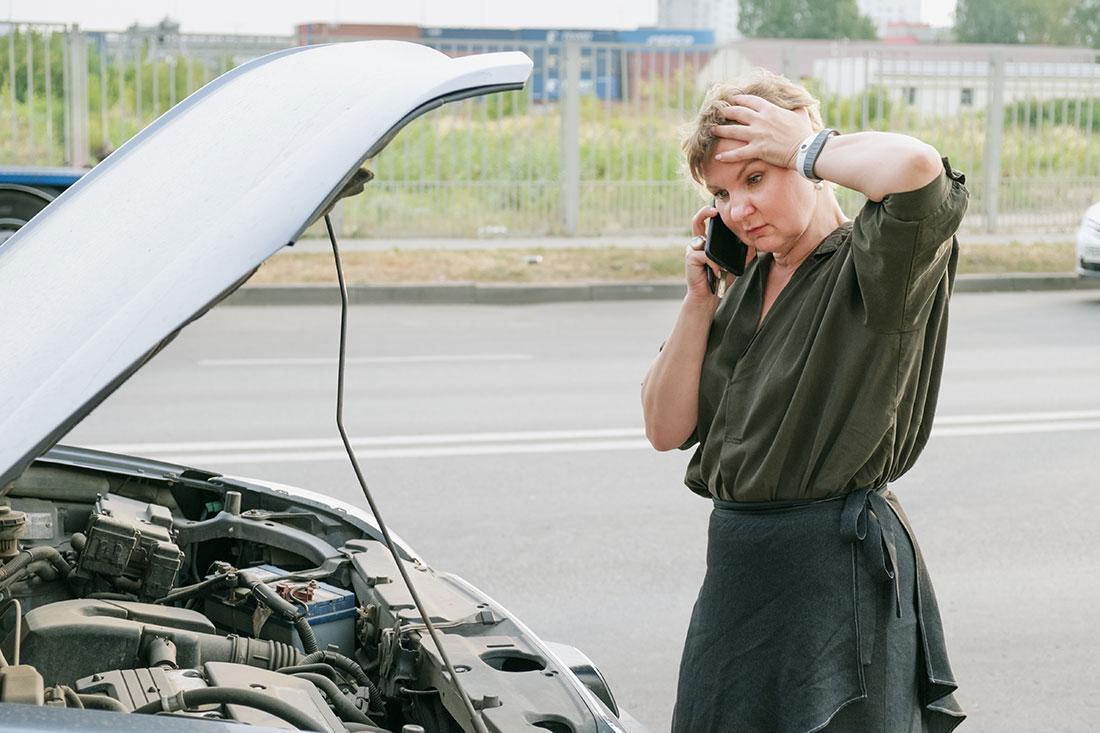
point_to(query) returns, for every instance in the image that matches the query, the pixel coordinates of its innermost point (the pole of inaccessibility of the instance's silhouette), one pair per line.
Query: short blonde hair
(698, 140)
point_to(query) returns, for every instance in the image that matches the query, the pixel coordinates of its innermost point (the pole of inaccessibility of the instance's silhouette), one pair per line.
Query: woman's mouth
(755, 230)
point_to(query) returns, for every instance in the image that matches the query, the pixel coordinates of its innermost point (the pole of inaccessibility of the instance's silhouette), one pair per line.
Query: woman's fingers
(697, 261)
(751, 101)
(699, 221)
(748, 151)
(739, 113)
(744, 133)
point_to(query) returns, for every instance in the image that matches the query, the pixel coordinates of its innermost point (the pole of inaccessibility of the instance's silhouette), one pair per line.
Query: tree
(1086, 19)
(1048, 22)
(804, 19)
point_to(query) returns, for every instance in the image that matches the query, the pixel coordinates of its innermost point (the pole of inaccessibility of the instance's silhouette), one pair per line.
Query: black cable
(475, 718)
(305, 633)
(351, 667)
(191, 699)
(326, 669)
(341, 703)
(107, 595)
(72, 700)
(36, 555)
(190, 591)
(269, 597)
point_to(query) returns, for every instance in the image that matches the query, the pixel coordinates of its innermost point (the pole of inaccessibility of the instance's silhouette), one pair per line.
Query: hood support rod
(475, 718)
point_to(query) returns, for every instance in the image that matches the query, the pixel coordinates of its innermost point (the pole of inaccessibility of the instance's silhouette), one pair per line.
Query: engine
(144, 590)
(102, 621)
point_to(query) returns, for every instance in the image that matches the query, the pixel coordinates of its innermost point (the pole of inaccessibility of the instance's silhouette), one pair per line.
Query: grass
(611, 264)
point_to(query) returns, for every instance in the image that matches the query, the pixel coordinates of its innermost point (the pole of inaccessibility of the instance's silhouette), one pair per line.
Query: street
(505, 444)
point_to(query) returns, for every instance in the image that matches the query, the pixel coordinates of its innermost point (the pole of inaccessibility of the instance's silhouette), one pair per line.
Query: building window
(966, 98)
(910, 95)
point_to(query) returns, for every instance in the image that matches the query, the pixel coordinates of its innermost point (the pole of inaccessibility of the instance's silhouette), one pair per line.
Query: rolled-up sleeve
(901, 248)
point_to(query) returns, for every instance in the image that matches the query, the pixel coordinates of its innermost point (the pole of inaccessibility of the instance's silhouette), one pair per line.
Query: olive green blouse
(837, 389)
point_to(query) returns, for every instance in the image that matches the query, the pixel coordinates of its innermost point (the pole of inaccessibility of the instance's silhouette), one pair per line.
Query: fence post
(570, 137)
(76, 98)
(994, 126)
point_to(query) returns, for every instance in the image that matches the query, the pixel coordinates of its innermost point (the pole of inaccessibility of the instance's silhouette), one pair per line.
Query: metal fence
(590, 146)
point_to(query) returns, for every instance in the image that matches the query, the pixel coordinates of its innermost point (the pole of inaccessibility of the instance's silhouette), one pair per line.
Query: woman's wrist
(701, 305)
(808, 151)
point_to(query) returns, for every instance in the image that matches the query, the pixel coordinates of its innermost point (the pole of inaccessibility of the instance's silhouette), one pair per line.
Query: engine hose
(353, 727)
(349, 665)
(341, 703)
(190, 591)
(326, 669)
(190, 699)
(269, 597)
(72, 699)
(106, 595)
(102, 702)
(305, 633)
(10, 571)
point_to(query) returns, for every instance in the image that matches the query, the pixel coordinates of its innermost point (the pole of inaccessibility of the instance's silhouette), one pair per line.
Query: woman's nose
(739, 210)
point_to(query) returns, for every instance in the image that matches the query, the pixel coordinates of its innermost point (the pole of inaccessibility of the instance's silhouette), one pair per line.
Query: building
(719, 16)
(885, 12)
(310, 33)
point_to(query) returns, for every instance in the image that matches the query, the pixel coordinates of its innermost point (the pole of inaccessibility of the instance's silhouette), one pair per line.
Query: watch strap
(812, 151)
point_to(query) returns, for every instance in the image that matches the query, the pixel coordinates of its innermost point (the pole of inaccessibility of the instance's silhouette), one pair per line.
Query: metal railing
(590, 146)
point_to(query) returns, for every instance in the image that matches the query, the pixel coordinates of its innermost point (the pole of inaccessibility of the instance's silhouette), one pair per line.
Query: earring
(818, 185)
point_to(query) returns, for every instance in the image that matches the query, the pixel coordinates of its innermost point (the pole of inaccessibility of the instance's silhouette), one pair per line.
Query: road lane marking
(426, 452)
(391, 440)
(1015, 429)
(1018, 417)
(534, 441)
(331, 361)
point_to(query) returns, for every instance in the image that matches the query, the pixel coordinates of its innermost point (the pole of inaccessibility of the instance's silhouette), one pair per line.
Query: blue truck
(24, 191)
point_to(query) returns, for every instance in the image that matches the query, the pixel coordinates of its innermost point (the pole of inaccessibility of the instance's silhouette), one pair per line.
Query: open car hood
(181, 214)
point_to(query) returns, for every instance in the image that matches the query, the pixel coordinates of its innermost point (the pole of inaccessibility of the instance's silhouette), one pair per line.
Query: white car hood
(182, 213)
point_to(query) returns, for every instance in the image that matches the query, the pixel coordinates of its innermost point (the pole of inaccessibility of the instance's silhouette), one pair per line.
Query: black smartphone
(724, 248)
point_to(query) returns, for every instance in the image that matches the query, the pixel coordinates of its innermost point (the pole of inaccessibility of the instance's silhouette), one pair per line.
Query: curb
(473, 293)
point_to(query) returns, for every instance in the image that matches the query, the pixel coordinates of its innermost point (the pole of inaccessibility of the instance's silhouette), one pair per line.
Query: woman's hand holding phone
(696, 262)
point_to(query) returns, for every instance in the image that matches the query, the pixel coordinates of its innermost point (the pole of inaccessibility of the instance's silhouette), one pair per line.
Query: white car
(131, 587)
(1088, 243)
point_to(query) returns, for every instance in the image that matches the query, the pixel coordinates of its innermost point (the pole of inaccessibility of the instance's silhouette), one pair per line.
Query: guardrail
(591, 145)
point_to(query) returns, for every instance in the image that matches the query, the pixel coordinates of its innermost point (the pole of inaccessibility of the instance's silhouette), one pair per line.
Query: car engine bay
(137, 587)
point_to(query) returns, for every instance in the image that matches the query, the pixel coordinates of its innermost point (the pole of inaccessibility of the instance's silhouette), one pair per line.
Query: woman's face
(768, 207)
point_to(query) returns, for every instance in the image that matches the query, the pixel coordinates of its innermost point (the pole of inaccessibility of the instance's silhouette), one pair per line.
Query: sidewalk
(475, 293)
(550, 293)
(626, 242)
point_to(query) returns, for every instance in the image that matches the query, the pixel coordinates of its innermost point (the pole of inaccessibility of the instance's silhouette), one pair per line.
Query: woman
(808, 386)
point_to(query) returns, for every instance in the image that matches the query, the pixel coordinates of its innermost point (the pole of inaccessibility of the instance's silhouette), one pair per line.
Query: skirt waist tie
(860, 522)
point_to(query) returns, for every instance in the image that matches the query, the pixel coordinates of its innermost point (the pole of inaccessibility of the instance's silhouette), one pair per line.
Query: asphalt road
(505, 444)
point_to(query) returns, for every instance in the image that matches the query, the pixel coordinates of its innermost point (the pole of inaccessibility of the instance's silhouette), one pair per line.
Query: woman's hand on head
(770, 133)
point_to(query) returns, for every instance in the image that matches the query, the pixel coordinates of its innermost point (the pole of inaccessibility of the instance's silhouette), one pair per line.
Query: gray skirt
(815, 616)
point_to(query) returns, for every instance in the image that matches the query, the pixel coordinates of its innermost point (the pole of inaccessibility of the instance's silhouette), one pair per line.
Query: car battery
(329, 610)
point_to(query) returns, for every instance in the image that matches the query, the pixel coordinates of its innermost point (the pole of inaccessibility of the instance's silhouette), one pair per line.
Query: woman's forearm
(670, 392)
(878, 163)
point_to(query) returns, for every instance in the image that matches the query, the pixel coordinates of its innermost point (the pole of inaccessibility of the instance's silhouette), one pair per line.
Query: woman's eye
(755, 179)
(721, 195)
